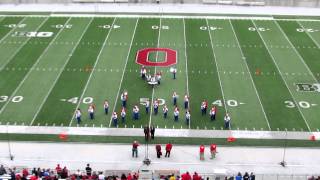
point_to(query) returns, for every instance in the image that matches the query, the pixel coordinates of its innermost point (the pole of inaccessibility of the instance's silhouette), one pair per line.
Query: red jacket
(213, 147)
(186, 176)
(196, 177)
(202, 148)
(168, 147)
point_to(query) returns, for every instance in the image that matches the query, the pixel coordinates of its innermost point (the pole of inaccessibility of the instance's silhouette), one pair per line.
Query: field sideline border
(160, 15)
(170, 133)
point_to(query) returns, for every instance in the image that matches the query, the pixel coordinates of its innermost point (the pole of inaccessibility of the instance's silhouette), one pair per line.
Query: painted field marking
(94, 67)
(282, 78)
(254, 86)
(186, 57)
(124, 68)
(56, 80)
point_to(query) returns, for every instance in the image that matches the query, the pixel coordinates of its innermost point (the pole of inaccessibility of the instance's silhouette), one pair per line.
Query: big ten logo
(170, 57)
(307, 87)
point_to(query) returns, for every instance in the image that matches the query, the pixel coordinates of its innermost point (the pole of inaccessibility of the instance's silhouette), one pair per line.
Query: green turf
(252, 73)
(71, 84)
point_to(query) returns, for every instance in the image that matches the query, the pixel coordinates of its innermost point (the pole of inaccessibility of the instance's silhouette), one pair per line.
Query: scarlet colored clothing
(202, 148)
(135, 145)
(213, 147)
(168, 147)
(185, 176)
(196, 177)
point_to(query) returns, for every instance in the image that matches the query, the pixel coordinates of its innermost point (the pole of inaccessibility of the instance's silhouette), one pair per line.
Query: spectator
(253, 177)
(25, 173)
(196, 176)
(158, 149)
(186, 176)
(135, 145)
(152, 130)
(239, 176)
(168, 149)
(58, 169)
(123, 177)
(135, 176)
(2, 170)
(129, 177)
(172, 177)
(101, 176)
(88, 170)
(246, 176)
(64, 173)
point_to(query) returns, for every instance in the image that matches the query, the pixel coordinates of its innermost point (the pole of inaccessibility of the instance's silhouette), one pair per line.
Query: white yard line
(124, 68)
(155, 71)
(91, 73)
(186, 57)
(285, 82)
(295, 50)
(61, 70)
(254, 86)
(29, 72)
(309, 35)
(214, 56)
(16, 51)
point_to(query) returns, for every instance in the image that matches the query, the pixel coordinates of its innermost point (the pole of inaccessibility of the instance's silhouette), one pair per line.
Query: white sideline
(191, 133)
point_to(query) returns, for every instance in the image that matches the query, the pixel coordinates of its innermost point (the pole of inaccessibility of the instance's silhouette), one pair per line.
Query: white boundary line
(309, 35)
(61, 70)
(285, 82)
(295, 50)
(186, 57)
(172, 133)
(214, 57)
(253, 84)
(123, 72)
(94, 66)
(155, 71)
(29, 72)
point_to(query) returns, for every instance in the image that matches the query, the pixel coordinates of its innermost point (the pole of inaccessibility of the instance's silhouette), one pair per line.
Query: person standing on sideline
(158, 77)
(88, 170)
(147, 106)
(158, 149)
(188, 117)
(168, 149)
(146, 131)
(176, 114)
(165, 111)
(227, 121)
(78, 115)
(106, 107)
(202, 152)
(213, 151)
(156, 106)
(186, 101)
(135, 145)
(91, 111)
(152, 131)
(213, 112)
(123, 115)
(115, 119)
(174, 98)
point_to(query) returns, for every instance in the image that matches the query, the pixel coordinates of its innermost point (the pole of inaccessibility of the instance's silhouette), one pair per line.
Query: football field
(264, 72)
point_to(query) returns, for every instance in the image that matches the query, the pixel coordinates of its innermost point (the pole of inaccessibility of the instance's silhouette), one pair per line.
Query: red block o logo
(143, 57)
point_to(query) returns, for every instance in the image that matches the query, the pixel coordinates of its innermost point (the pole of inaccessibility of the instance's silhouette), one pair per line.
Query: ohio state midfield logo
(142, 57)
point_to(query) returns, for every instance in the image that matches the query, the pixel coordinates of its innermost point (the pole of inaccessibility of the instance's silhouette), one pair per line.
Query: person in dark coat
(146, 131)
(152, 130)
(158, 149)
